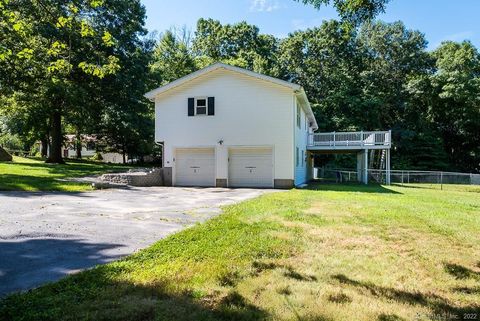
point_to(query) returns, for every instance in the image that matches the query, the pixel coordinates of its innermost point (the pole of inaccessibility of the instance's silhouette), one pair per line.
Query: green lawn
(26, 174)
(332, 252)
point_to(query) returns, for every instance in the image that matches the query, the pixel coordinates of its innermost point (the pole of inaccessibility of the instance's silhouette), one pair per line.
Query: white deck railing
(350, 139)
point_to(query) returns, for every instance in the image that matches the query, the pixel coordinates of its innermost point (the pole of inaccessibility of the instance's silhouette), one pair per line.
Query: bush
(97, 157)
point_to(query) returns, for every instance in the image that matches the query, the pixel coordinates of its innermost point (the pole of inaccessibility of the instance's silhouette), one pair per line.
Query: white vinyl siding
(250, 167)
(195, 167)
(301, 134)
(248, 112)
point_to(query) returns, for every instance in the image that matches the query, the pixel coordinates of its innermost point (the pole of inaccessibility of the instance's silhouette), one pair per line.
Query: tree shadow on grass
(100, 294)
(259, 267)
(72, 167)
(351, 187)
(461, 272)
(13, 182)
(389, 317)
(438, 304)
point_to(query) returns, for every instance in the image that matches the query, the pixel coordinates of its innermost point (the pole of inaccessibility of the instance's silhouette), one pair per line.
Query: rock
(4, 156)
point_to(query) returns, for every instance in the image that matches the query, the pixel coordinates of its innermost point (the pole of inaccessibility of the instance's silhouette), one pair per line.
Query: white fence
(400, 176)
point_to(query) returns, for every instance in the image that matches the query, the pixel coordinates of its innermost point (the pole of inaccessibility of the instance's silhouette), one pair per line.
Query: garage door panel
(195, 167)
(251, 168)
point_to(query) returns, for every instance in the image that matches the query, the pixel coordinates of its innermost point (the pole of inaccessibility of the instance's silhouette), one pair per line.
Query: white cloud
(264, 5)
(302, 24)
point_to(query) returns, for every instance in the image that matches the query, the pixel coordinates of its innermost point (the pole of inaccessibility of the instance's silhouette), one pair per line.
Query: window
(298, 116)
(90, 146)
(303, 157)
(201, 106)
(297, 156)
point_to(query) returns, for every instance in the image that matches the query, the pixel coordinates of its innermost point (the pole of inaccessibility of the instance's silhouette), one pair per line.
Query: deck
(349, 141)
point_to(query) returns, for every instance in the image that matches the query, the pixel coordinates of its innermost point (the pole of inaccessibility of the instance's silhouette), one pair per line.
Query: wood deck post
(365, 166)
(387, 179)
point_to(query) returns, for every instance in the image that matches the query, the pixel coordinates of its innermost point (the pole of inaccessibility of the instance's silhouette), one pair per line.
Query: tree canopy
(353, 11)
(375, 77)
(83, 66)
(60, 59)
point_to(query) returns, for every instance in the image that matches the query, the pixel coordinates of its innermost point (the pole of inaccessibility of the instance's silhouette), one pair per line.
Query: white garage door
(250, 167)
(195, 167)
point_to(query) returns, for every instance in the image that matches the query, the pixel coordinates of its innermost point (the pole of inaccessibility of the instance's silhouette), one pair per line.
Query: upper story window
(299, 119)
(198, 106)
(201, 106)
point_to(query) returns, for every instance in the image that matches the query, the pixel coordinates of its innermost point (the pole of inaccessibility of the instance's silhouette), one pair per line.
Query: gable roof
(297, 89)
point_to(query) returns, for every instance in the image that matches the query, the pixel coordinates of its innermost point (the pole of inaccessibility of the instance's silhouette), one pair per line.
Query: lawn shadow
(98, 294)
(389, 317)
(15, 182)
(259, 267)
(467, 290)
(38, 184)
(415, 185)
(461, 272)
(437, 304)
(350, 187)
(31, 260)
(74, 167)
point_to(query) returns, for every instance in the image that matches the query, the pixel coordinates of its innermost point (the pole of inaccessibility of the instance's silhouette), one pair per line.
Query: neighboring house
(229, 127)
(89, 143)
(89, 149)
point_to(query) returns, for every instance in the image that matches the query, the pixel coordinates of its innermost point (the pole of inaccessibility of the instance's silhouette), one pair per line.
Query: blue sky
(439, 20)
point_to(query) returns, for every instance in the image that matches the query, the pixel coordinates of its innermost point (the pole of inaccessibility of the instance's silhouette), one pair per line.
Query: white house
(229, 127)
(89, 149)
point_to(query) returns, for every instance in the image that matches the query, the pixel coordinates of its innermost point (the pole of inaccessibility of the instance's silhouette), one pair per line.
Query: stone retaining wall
(153, 177)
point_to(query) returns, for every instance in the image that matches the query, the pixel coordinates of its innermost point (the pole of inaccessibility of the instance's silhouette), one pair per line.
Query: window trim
(297, 157)
(195, 106)
(299, 116)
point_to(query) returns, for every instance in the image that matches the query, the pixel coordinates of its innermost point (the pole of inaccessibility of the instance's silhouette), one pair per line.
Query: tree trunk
(124, 153)
(57, 139)
(78, 145)
(44, 148)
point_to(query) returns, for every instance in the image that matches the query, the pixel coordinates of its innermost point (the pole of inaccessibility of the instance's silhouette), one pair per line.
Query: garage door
(250, 167)
(195, 167)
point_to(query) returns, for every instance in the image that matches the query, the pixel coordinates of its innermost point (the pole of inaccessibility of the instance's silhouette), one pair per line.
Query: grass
(27, 174)
(331, 252)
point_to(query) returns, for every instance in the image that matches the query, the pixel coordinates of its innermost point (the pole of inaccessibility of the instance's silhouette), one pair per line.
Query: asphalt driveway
(45, 236)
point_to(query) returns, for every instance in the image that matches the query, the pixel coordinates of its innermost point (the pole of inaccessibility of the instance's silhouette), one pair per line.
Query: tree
(353, 11)
(325, 61)
(65, 45)
(126, 122)
(455, 104)
(172, 57)
(239, 44)
(391, 54)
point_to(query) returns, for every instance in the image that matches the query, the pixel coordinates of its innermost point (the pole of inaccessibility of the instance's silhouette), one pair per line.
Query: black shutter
(191, 106)
(211, 106)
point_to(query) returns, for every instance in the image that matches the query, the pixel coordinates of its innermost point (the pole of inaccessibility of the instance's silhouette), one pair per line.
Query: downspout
(162, 144)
